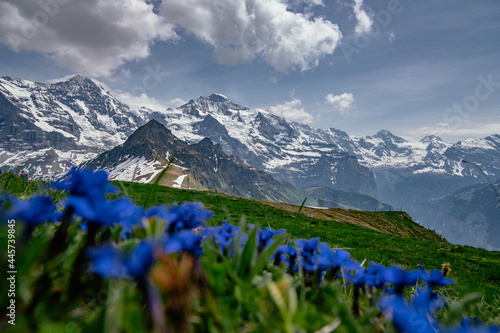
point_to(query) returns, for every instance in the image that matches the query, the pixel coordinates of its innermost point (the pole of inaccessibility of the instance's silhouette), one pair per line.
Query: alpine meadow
(247, 166)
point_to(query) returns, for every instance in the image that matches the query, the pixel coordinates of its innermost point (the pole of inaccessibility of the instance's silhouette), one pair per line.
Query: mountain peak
(152, 132)
(79, 78)
(385, 135)
(431, 138)
(218, 98)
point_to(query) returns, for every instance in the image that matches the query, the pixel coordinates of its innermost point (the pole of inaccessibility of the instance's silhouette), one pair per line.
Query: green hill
(389, 237)
(384, 237)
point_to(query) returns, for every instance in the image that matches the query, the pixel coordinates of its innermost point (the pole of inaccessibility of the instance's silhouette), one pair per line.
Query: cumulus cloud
(292, 111)
(135, 102)
(364, 20)
(94, 37)
(341, 103)
(451, 133)
(240, 31)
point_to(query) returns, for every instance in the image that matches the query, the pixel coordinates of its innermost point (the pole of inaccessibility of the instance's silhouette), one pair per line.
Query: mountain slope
(469, 216)
(148, 150)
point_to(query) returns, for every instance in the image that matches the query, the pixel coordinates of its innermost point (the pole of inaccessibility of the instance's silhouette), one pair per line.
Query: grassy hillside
(384, 237)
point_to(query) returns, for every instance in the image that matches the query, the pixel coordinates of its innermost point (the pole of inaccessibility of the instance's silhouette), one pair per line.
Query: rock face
(469, 216)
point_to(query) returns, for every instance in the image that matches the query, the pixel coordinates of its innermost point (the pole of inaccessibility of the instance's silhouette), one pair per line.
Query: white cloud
(94, 37)
(135, 102)
(292, 111)
(451, 133)
(341, 103)
(391, 37)
(240, 31)
(364, 20)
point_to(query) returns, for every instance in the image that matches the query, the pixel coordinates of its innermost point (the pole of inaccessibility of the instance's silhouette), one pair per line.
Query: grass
(384, 237)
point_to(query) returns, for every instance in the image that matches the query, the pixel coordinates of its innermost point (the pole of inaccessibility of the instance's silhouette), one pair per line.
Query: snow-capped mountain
(147, 152)
(292, 152)
(71, 121)
(431, 155)
(47, 128)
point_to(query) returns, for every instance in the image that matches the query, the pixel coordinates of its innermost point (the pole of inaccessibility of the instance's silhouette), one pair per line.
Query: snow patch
(178, 181)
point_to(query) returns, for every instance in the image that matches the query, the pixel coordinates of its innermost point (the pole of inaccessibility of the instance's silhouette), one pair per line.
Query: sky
(412, 67)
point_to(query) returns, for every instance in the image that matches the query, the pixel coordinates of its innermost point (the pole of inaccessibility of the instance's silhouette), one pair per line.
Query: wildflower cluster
(186, 271)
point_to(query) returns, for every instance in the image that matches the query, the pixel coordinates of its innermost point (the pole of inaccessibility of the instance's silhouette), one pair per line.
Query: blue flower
(265, 238)
(87, 191)
(121, 211)
(36, 210)
(85, 183)
(375, 276)
(287, 254)
(427, 301)
(331, 259)
(359, 277)
(309, 246)
(186, 216)
(436, 278)
(405, 317)
(183, 241)
(111, 262)
(225, 236)
(309, 253)
(400, 278)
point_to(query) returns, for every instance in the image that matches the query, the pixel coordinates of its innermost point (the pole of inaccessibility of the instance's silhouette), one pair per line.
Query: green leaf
(267, 254)
(301, 206)
(248, 256)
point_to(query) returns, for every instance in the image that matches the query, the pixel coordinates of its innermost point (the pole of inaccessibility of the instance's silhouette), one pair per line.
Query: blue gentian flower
(121, 211)
(308, 246)
(405, 317)
(111, 262)
(265, 238)
(34, 211)
(225, 236)
(358, 278)
(375, 276)
(86, 183)
(401, 278)
(309, 253)
(183, 241)
(326, 260)
(436, 278)
(186, 216)
(87, 191)
(427, 301)
(330, 259)
(287, 254)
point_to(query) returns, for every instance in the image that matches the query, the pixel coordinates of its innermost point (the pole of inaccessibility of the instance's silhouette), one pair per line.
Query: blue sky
(412, 67)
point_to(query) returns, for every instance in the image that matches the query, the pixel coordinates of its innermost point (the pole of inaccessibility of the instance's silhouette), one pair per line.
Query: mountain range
(47, 128)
